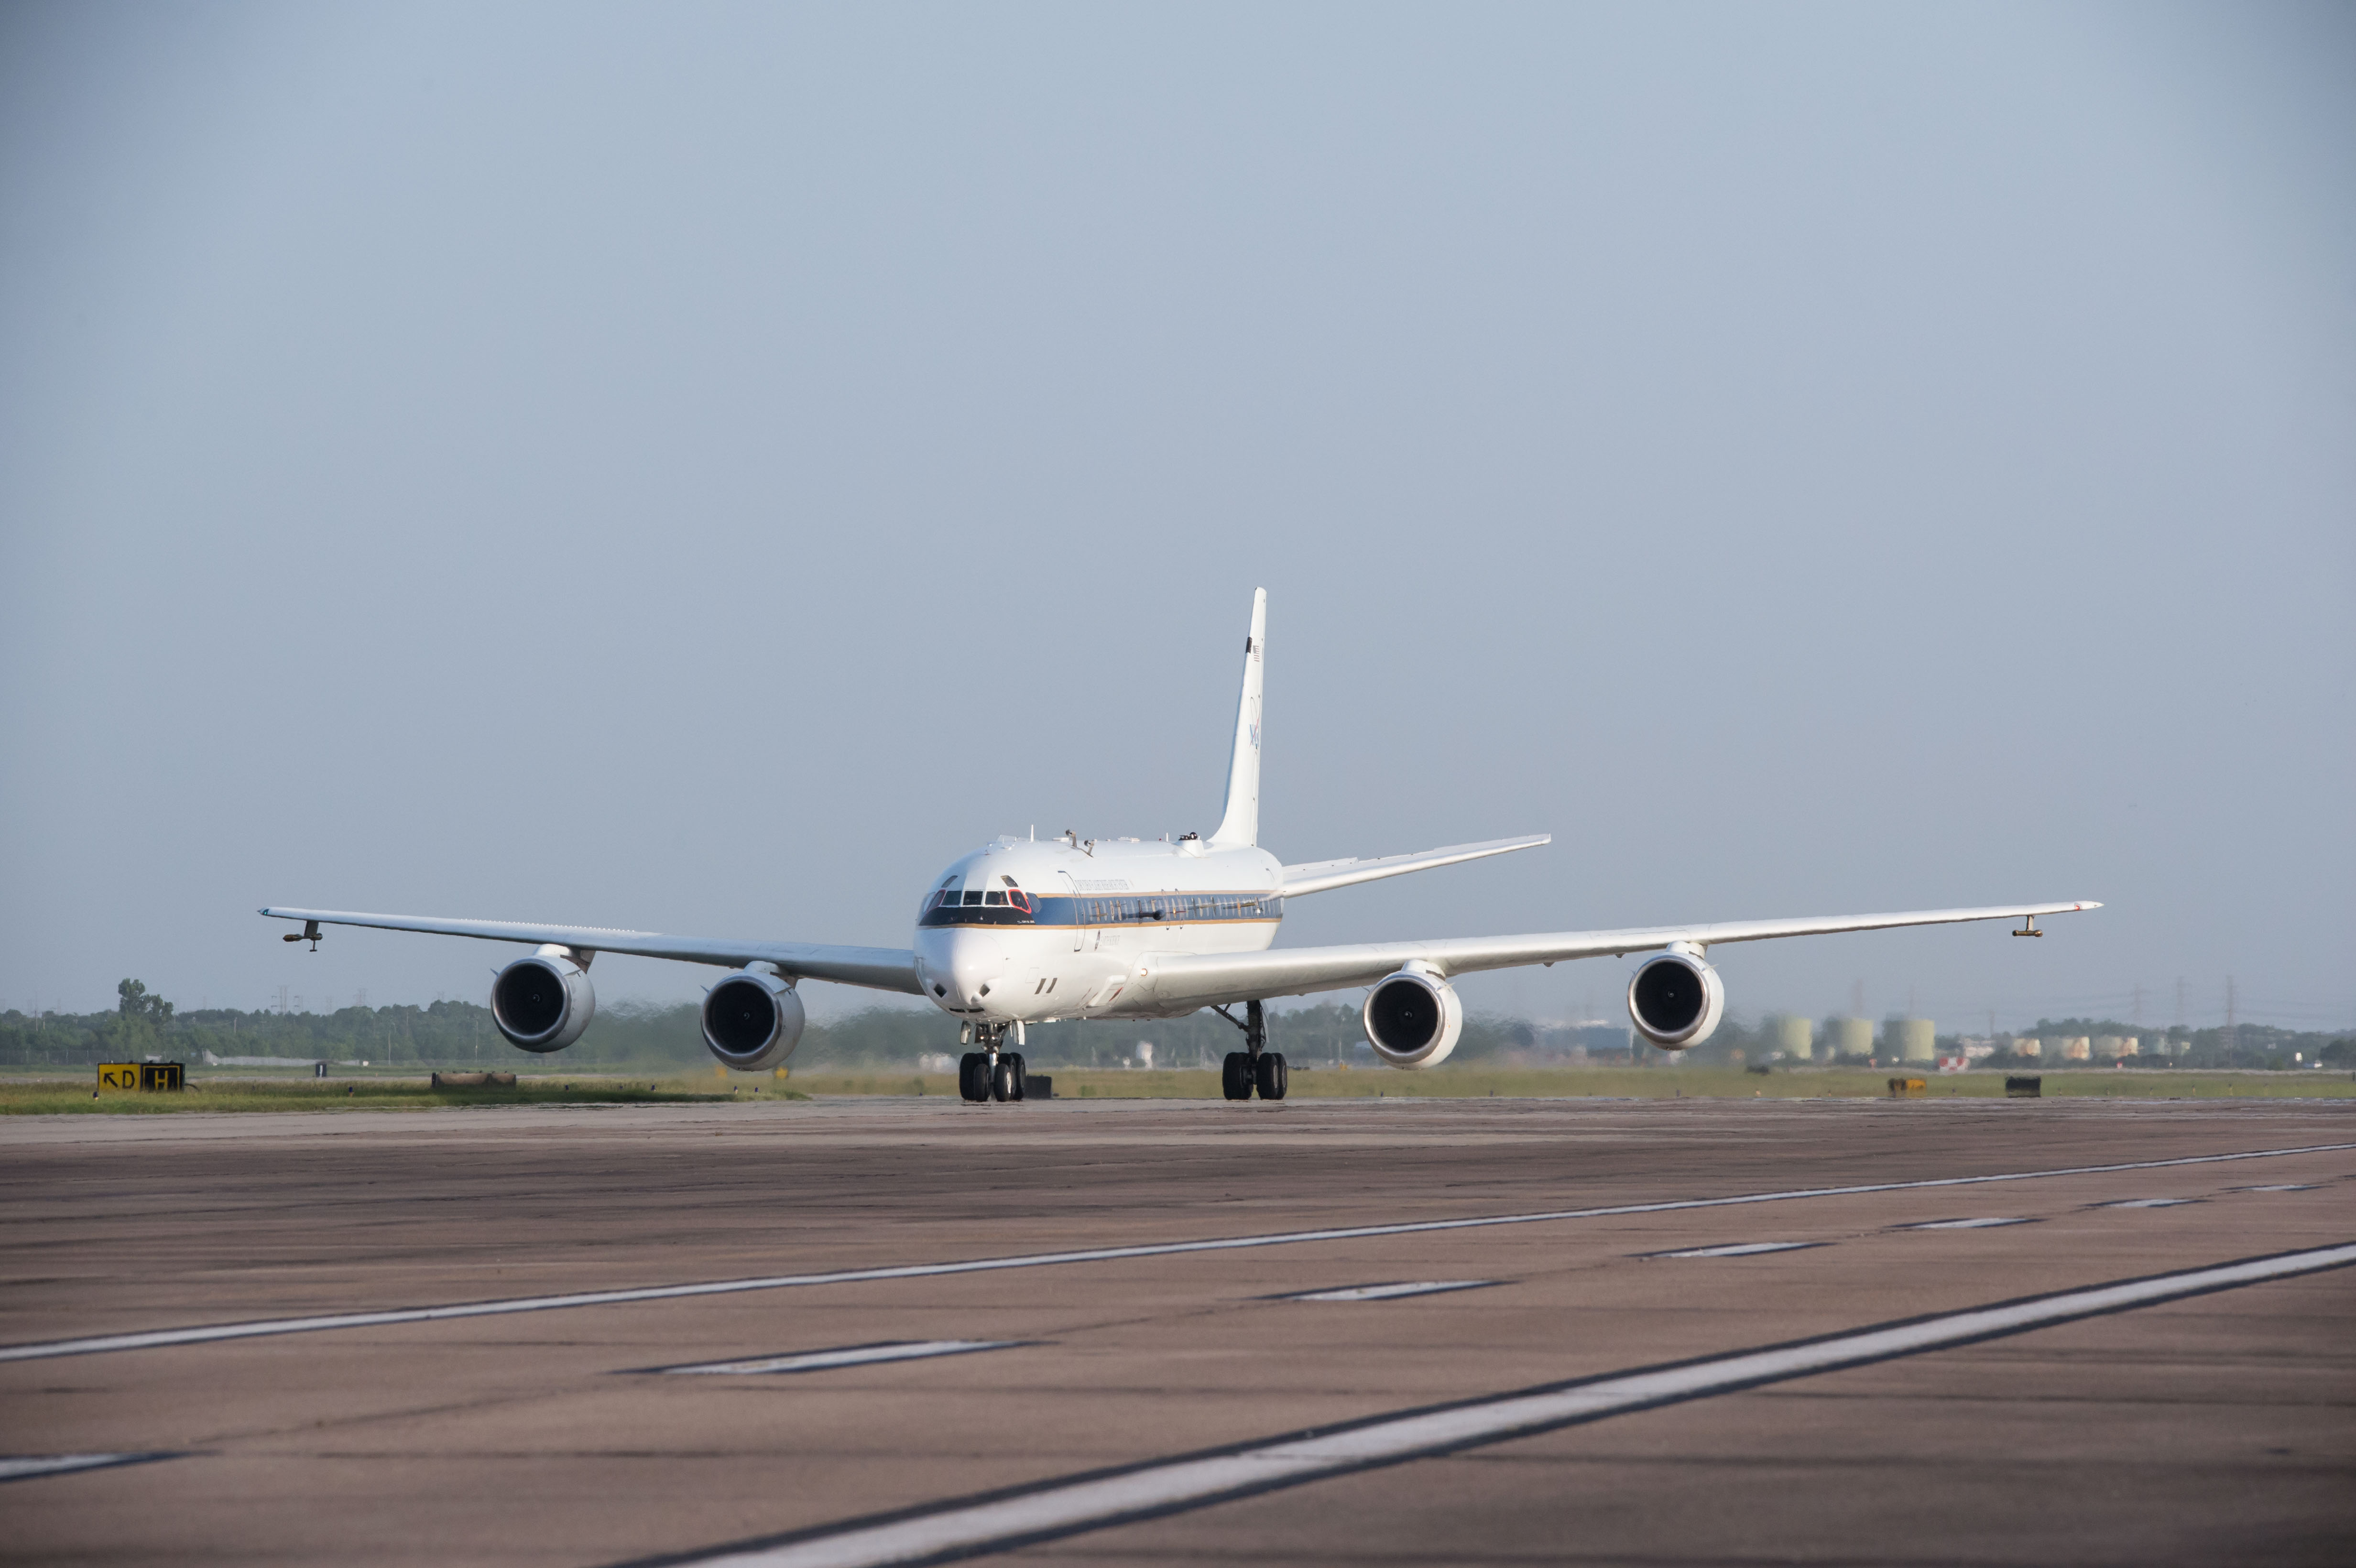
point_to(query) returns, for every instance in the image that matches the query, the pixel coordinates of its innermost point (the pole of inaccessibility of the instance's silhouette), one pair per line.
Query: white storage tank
(1910, 1039)
(1795, 1037)
(1849, 1037)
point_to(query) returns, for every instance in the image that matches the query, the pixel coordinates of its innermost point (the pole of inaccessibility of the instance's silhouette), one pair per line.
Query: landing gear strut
(990, 1073)
(1255, 1067)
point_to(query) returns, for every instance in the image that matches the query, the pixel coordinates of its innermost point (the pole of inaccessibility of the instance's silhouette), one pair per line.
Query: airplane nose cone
(974, 963)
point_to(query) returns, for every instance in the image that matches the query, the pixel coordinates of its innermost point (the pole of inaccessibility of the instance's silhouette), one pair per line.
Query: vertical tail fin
(1240, 827)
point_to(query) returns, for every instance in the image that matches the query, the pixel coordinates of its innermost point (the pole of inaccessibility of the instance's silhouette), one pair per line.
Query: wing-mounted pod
(751, 1020)
(1676, 1001)
(543, 1002)
(1413, 1017)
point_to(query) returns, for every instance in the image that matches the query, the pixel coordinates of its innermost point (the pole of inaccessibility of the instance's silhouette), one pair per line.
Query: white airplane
(1025, 931)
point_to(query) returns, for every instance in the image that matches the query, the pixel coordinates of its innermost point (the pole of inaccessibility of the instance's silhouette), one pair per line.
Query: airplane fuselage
(1025, 931)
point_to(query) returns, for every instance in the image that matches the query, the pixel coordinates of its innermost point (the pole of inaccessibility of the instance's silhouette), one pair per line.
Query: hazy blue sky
(703, 467)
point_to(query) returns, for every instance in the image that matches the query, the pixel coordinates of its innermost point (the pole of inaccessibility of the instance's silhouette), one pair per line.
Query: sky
(703, 468)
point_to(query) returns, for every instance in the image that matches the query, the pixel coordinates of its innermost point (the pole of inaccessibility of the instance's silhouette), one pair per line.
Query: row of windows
(1173, 908)
(1012, 906)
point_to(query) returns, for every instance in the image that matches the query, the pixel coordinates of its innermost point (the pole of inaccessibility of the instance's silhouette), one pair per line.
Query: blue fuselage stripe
(1117, 910)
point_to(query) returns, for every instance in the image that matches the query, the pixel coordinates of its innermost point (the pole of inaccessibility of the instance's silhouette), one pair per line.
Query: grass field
(25, 1096)
(60, 1096)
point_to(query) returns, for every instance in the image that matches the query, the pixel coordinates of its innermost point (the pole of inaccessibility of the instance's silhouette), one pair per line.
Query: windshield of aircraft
(998, 901)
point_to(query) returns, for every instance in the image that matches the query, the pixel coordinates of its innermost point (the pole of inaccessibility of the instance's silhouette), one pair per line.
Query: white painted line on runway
(2285, 1186)
(213, 1332)
(1965, 1224)
(24, 1467)
(2146, 1204)
(1060, 1509)
(1387, 1291)
(1736, 1250)
(848, 1356)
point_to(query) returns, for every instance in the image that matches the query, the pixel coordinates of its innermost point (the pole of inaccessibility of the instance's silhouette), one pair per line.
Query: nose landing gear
(1255, 1067)
(990, 1073)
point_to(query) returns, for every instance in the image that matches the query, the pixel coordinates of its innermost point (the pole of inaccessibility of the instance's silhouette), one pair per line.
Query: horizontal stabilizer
(1318, 876)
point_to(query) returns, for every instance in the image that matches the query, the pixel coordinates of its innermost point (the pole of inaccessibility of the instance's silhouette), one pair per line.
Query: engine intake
(751, 1020)
(1676, 1001)
(543, 1002)
(1412, 1018)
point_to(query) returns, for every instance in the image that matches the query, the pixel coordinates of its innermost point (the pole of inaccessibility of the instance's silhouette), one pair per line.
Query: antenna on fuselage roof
(1240, 824)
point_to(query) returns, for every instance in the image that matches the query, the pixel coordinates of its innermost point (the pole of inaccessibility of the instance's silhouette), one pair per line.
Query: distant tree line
(462, 1034)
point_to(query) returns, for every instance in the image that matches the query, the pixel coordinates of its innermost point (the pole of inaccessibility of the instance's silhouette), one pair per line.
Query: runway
(1493, 1331)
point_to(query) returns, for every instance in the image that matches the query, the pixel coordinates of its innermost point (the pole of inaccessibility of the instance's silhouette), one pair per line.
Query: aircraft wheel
(1021, 1076)
(1003, 1087)
(1273, 1077)
(973, 1077)
(1236, 1076)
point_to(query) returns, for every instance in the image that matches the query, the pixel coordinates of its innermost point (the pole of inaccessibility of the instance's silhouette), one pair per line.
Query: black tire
(1022, 1073)
(1236, 1076)
(1273, 1079)
(973, 1077)
(1001, 1081)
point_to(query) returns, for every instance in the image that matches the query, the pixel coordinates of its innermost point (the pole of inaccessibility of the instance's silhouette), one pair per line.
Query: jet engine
(751, 1020)
(1676, 1001)
(543, 1002)
(1412, 1018)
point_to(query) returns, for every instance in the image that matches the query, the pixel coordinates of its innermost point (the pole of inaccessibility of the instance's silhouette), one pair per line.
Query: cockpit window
(956, 904)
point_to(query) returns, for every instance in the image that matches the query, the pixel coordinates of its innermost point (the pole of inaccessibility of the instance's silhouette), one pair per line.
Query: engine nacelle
(1676, 1001)
(1412, 1018)
(543, 1002)
(751, 1020)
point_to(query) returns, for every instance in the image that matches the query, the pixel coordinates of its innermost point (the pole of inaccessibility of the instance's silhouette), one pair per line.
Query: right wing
(878, 968)
(1172, 980)
(1318, 876)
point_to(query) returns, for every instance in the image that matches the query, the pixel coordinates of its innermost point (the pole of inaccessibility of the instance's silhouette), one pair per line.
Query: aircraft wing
(878, 968)
(1320, 875)
(1205, 979)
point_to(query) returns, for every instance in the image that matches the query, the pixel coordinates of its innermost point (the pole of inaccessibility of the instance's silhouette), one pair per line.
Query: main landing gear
(990, 1073)
(1254, 1067)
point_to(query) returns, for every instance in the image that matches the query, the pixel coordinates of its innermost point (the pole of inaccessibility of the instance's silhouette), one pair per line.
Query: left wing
(878, 968)
(1211, 978)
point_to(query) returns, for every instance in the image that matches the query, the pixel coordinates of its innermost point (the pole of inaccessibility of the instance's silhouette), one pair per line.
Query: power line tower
(2233, 1028)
